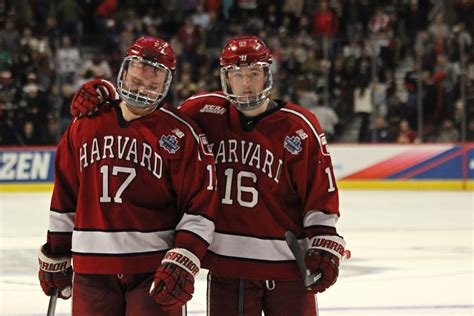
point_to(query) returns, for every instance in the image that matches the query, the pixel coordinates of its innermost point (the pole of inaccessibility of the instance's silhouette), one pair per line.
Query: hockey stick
(52, 302)
(308, 278)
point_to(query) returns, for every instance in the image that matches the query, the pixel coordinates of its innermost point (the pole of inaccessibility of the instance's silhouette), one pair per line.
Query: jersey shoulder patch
(169, 143)
(307, 123)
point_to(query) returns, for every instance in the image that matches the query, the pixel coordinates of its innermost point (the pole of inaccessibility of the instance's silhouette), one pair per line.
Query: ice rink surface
(412, 254)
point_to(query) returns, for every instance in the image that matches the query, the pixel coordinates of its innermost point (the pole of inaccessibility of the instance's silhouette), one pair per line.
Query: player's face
(247, 81)
(145, 80)
(247, 86)
(143, 84)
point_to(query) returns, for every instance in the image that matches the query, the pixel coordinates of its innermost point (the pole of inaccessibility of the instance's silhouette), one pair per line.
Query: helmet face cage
(143, 84)
(247, 86)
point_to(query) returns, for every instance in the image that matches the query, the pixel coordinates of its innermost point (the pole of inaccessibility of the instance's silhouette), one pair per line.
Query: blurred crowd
(356, 64)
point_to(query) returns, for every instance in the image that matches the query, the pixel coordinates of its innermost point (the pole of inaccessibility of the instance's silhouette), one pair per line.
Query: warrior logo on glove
(324, 256)
(174, 280)
(55, 272)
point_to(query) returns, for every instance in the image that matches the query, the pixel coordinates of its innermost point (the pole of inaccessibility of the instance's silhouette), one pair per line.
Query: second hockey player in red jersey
(275, 175)
(133, 195)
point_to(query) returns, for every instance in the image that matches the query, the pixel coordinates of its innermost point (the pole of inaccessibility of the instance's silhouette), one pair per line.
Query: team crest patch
(293, 144)
(169, 143)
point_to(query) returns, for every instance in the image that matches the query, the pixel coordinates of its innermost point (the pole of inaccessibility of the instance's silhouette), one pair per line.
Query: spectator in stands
(9, 93)
(30, 135)
(327, 118)
(10, 129)
(443, 81)
(10, 37)
(185, 87)
(416, 20)
(380, 133)
(325, 27)
(293, 7)
(70, 17)
(127, 36)
(353, 49)
(189, 37)
(35, 104)
(66, 94)
(405, 134)
(438, 28)
(304, 94)
(381, 34)
(52, 132)
(68, 59)
(448, 133)
(214, 37)
(325, 21)
(354, 17)
(98, 65)
(213, 6)
(200, 17)
(28, 41)
(103, 15)
(363, 107)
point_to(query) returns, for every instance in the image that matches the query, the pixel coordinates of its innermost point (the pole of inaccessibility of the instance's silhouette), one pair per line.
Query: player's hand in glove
(91, 95)
(55, 272)
(173, 285)
(323, 256)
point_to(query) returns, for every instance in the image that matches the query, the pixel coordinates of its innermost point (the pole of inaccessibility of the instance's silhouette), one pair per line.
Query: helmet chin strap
(254, 111)
(130, 112)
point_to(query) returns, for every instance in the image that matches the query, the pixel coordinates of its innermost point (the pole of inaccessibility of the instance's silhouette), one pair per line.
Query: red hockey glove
(91, 95)
(323, 256)
(173, 285)
(55, 272)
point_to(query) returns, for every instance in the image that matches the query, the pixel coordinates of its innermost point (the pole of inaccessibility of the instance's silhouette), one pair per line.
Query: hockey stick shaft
(308, 278)
(52, 302)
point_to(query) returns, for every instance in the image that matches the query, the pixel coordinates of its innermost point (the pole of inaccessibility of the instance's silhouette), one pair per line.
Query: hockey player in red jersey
(134, 197)
(275, 175)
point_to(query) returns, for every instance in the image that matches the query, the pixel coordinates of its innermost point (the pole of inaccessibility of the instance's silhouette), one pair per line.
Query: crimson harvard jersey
(274, 175)
(126, 192)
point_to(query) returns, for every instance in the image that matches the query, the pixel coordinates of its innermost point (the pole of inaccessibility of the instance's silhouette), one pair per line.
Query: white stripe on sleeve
(61, 222)
(197, 224)
(319, 218)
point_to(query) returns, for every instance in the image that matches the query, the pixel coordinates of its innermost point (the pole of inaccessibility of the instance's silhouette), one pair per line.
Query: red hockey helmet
(146, 72)
(246, 77)
(245, 50)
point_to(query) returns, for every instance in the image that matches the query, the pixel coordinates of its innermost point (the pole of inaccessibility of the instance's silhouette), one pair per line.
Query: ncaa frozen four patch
(169, 143)
(293, 144)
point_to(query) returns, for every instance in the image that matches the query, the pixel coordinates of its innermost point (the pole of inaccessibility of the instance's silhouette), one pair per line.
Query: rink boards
(413, 167)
